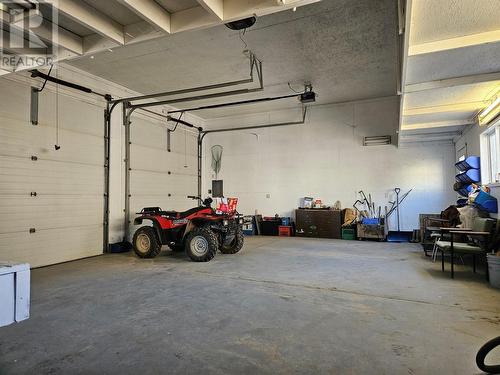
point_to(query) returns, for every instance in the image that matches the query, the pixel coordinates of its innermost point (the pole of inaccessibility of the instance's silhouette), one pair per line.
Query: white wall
(324, 158)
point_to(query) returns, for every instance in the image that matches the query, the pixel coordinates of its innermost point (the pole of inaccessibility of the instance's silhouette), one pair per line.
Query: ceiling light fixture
(491, 112)
(243, 24)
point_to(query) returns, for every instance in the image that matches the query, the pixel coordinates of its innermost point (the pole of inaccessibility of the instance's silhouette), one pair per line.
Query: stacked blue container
(469, 173)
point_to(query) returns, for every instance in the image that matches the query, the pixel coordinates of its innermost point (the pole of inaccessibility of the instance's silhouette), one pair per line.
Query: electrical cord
(241, 34)
(46, 79)
(295, 91)
(177, 123)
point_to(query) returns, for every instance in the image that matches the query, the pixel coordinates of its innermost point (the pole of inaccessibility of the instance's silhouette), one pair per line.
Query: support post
(200, 164)
(126, 122)
(107, 143)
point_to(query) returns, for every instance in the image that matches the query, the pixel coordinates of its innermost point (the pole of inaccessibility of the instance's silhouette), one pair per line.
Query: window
(490, 154)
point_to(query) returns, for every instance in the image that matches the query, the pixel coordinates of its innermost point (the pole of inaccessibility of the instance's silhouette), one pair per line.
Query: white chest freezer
(14, 293)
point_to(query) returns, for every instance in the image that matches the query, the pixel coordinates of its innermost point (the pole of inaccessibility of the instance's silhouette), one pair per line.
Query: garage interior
(360, 140)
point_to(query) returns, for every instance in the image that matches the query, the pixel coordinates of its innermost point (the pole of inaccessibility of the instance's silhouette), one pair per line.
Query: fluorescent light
(377, 140)
(489, 113)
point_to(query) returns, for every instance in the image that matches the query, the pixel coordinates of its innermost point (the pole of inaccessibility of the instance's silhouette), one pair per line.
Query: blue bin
(487, 202)
(470, 176)
(472, 162)
(285, 221)
(370, 221)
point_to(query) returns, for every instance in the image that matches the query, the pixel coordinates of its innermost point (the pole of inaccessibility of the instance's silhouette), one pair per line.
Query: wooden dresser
(318, 223)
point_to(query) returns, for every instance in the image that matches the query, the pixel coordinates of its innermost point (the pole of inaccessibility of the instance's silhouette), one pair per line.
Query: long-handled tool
(399, 236)
(394, 204)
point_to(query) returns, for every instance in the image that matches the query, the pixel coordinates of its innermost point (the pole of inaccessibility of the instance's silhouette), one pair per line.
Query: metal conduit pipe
(198, 97)
(254, 63)
(241, 102)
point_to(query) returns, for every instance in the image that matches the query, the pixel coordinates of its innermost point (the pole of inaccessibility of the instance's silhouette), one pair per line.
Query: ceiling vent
(241, 24)
(380, 140)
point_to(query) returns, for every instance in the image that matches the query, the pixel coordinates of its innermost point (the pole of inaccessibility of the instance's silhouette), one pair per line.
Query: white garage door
(64, 221)
(159, 178)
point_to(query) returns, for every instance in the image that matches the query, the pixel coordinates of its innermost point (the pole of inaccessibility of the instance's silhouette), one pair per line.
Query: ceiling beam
(216, 7)
(89, 17)
(437, 124)
(460, 107)
(61, 38)
(454, 43)
(452, 82)
(110, 34)
(151, 12)
(193, 19)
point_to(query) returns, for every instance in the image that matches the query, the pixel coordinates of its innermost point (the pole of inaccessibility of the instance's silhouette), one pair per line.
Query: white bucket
(494, 270)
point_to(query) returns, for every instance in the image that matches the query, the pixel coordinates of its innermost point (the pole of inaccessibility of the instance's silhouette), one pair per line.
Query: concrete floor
(281, 306)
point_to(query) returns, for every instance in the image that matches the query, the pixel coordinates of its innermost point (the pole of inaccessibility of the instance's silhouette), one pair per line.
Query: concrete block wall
(269, 170)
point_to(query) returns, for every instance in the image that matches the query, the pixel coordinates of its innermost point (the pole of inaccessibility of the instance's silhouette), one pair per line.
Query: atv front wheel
(146, 244)
(236, 244)
(201, 244)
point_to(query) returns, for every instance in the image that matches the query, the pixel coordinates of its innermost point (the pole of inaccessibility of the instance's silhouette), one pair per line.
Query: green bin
(348, 234)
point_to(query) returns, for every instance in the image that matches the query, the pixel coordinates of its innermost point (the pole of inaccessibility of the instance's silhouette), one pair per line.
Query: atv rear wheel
(201, 244)
(146, 244)
(236, 244)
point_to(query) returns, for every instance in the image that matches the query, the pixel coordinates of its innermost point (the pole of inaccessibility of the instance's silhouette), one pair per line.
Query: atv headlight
(225, 222)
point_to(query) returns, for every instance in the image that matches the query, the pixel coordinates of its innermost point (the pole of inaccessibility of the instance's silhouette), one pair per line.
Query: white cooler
(14, 293)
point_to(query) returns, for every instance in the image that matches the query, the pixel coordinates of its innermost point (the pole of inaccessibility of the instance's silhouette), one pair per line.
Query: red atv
(200, 231)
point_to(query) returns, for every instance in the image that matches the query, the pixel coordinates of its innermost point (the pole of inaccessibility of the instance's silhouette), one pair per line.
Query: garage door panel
(15, 98)
(73, 114)
(157, 160)
(150, 162)
(67, 211)
(13, 136)
(51, 246)
(43, 212)
(148, 133)
(23, 176)
(155, 183)
(154, 135)
(76, 147)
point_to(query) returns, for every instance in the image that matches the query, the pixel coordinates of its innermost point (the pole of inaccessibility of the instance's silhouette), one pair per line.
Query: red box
(285, 231)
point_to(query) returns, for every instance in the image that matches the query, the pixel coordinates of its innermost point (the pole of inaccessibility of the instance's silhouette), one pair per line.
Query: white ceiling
(174, 6)
(346, 48)
(443, 19)
(454, 60)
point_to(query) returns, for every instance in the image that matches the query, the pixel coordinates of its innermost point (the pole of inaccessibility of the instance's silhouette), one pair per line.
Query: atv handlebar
(192, 197)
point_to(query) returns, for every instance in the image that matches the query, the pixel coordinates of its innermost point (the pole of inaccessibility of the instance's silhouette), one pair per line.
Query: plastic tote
(469, 163)
(487, 202)
(470, 176)
(494, 270)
